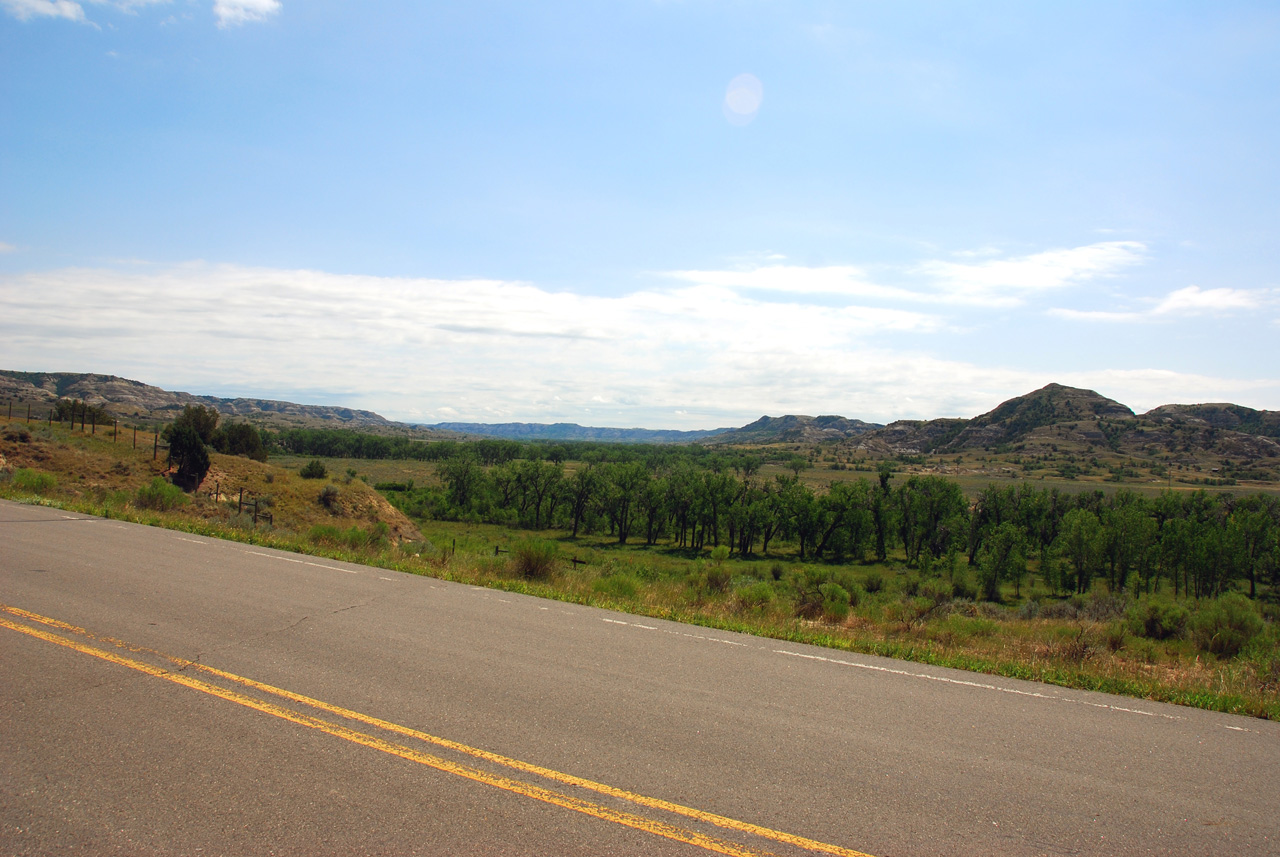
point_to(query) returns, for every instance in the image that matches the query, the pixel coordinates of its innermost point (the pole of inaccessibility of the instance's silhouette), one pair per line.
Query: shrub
(26, 479)
(874, 582)
(352, 538)
(620, 586)
(1226, 625)
(534, 558)
(718, 577)
(159, 495)
(187, 451)
(313, 469)
(1157, 619)
(835, 602)
(756, 595)
(719, 554)
(329, 497)
(962, 586)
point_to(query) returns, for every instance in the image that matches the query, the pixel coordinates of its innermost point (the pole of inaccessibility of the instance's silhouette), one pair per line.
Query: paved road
(162, 693)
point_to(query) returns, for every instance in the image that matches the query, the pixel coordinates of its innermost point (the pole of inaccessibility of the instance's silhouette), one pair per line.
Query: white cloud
(6, 247)
(1190, 301)
(1194, 301)
(27, 9)
(695, 356)
(232, 13)
(846, 281)
(1006, 282)
(1097, 315)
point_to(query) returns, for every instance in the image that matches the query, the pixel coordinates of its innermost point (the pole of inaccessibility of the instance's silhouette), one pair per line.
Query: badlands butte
(1074, 433)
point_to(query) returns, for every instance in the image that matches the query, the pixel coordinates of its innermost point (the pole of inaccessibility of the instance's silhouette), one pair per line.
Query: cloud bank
(699, 354)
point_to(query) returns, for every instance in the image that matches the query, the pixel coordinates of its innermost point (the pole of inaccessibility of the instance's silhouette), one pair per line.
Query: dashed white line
(677, 633)
(301, 562)
(979, 685)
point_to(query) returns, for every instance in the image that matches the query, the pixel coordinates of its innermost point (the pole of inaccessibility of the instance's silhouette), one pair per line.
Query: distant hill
(573, 431)
(1044, 421)
(1221, 416)
(794, 429)
(1040, 421)
(135, 399)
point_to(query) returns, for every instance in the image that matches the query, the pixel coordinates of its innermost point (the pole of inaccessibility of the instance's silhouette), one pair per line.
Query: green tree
(239, 439)
(204, 421)
(1003, 558)
(1083, 543)
(187, 452)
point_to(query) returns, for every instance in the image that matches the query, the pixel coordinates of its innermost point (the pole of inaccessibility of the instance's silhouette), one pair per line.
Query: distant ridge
(573, 431)
(794, 429)
(1037, 421)
(136, 399)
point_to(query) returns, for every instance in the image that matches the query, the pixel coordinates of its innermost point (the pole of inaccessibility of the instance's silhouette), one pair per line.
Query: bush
(835, 602)
(26, 479)
(313, 469)
(620, 586)
(329, 497)
(352, 538)
(962, 586)
(874, 582)
(17, 434)
(756, 595)
(187, 451)
(718, 577)
(534, 558)
(159, 495)
(1157, 619)
(1226, 625)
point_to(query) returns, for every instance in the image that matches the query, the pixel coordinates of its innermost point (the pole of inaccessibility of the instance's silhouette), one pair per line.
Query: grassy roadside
(1082, 644)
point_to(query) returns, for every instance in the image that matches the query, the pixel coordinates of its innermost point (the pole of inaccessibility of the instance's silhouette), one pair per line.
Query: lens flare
(742, 99)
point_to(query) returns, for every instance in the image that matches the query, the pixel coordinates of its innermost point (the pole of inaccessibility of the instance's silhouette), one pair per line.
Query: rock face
(135, 399)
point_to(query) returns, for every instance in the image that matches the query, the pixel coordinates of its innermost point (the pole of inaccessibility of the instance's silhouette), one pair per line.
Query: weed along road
(168, 693)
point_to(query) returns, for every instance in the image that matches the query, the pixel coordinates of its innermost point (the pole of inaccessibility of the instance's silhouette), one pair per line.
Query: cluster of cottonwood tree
(1195, 543)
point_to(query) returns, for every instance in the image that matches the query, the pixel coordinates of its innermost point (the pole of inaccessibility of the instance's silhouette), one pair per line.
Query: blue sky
(674, 214)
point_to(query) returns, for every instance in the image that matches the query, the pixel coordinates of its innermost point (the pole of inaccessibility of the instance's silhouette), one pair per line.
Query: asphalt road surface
(163, 693)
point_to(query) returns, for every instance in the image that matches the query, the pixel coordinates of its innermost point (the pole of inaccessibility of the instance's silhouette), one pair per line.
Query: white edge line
(980, 685)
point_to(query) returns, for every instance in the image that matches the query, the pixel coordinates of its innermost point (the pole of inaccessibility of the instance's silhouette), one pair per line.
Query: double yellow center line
(184, 675)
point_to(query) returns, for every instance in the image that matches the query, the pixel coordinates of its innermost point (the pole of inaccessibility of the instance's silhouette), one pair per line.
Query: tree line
(1198, 544)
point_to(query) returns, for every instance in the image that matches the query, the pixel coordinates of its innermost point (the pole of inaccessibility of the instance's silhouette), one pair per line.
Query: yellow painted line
(514, 764)
(627, 819)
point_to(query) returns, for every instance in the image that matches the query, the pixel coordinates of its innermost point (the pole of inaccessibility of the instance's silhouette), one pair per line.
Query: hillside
(1221, 416)
(145, 403)
(794, 429)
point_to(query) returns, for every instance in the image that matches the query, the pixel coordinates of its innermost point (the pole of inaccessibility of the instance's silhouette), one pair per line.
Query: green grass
(889, 614)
